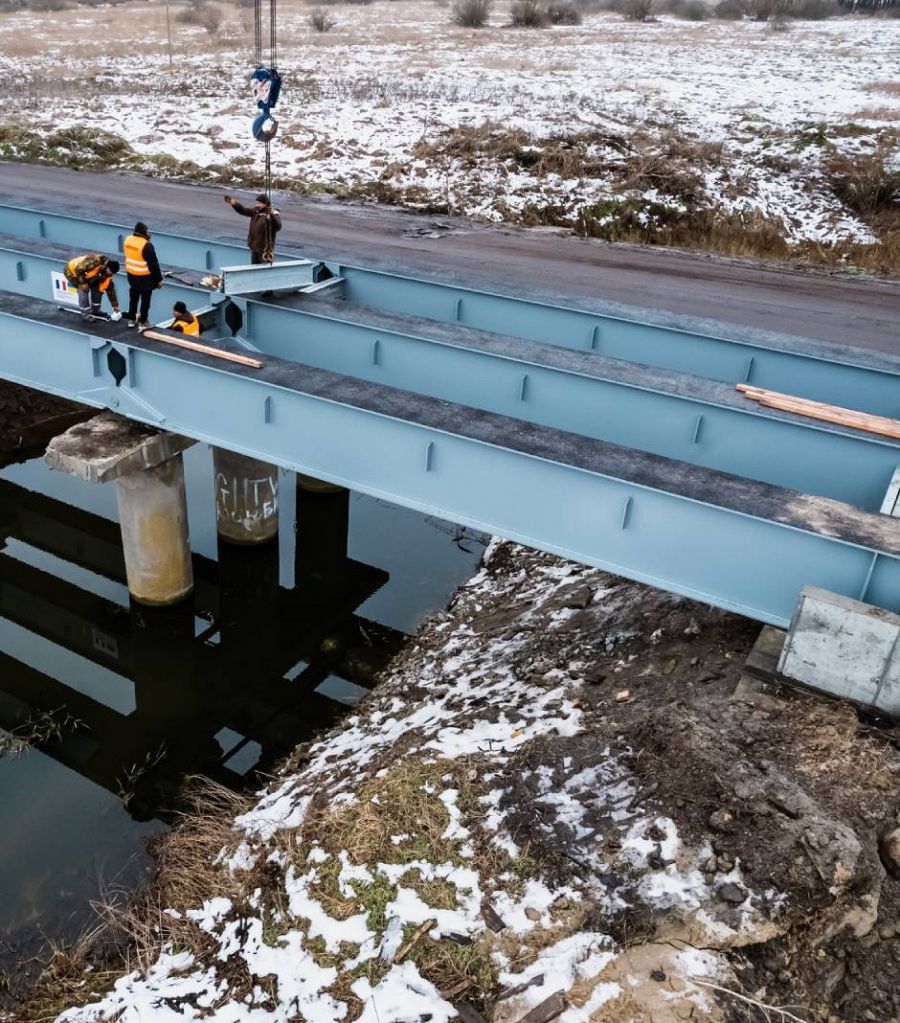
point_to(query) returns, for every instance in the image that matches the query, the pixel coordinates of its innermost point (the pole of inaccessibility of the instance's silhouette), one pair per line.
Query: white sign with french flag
(63, 292)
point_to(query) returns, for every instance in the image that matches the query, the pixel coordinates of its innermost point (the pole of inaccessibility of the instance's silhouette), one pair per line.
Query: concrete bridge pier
(148, 469)
(246, 498)
(154, 523)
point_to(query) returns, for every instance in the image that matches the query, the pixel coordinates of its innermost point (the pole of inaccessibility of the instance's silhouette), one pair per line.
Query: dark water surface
(126, 701)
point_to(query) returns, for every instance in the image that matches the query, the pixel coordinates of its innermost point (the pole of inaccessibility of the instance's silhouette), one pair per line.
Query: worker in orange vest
(144, 274)
(94, 276)
(184, 320)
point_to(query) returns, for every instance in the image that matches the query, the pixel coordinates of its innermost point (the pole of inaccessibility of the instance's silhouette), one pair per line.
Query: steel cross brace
(832, 373)
(740, 546)
(697, 421)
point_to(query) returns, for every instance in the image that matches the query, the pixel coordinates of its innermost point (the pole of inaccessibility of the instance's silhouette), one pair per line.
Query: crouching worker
(94, 276)
(184, 320)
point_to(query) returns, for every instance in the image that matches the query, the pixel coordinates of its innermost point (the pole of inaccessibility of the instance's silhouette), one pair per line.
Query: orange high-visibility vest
(83, 269)
(135, 264)
(191, 326)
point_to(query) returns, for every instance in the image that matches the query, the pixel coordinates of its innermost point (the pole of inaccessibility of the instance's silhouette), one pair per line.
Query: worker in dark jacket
(94, 276)
(144, 274)
(265, 223)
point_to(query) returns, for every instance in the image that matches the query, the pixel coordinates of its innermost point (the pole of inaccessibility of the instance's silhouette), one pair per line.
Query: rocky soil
(800, 791)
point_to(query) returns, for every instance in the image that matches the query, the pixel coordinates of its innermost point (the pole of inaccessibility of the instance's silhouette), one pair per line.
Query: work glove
(116, 316)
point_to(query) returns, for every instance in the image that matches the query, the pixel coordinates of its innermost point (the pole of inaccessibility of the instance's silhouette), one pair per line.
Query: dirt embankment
(28, 419)
(553, 806)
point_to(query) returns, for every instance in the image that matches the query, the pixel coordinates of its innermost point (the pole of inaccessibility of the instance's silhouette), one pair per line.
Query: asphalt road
(653, 283)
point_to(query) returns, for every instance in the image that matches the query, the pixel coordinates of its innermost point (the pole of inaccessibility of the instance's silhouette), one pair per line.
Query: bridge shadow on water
(106, 706)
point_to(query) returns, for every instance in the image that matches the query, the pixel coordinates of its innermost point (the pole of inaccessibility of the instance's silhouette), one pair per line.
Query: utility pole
(169, 32)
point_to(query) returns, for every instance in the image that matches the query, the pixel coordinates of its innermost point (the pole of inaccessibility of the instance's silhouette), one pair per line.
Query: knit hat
(112, 264)
(179, 307)
(141, 228)
(263, 199)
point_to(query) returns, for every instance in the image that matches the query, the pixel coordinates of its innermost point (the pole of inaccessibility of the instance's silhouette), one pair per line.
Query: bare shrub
(527, 14)
(779, 23)
(192, 14)
(211, 19)
(866, 183)
(563, 13)
(730, 10)
(321, 21)
(815, 10)
(637, 10)
(690, 10)
(762, 10)
(470, 13)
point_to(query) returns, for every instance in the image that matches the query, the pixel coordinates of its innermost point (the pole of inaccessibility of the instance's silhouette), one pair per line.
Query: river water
(110, 706)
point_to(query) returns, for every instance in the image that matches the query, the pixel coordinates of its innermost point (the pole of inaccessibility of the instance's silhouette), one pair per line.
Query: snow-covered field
(553, 125)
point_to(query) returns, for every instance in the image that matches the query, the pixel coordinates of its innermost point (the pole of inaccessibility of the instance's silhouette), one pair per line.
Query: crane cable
(274, 83)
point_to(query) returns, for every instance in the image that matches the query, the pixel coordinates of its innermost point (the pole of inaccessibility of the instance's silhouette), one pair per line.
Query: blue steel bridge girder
(698, 421)
(738, 545)
(853, 378)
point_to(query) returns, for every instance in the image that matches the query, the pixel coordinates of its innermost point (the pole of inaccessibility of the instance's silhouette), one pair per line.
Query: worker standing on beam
(144, 274)
(183, 320)
(265, 223)
(94, 276)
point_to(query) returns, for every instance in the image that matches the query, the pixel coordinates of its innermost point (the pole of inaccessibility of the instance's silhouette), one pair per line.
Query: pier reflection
(231, 679)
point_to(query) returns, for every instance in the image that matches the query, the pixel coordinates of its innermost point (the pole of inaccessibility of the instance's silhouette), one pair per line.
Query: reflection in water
(124, 701)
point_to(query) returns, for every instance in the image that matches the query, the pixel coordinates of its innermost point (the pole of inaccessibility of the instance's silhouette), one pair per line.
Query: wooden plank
(880, 425)
(548, 1009)
(195, 346)
(873, 424)
(758, 394)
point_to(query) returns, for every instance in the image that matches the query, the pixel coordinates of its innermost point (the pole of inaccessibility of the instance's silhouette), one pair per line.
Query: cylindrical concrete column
(246, 498)
(154, 522)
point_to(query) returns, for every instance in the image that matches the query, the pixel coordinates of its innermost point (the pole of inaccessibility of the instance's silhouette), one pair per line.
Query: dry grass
(888, 88)
(404, 801)
(868, 184)
(131, 929)
(883, 114)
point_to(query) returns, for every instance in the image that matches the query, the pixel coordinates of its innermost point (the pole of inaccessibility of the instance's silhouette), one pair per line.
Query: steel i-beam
(738, 545)
(850, 377)
(698, 421)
